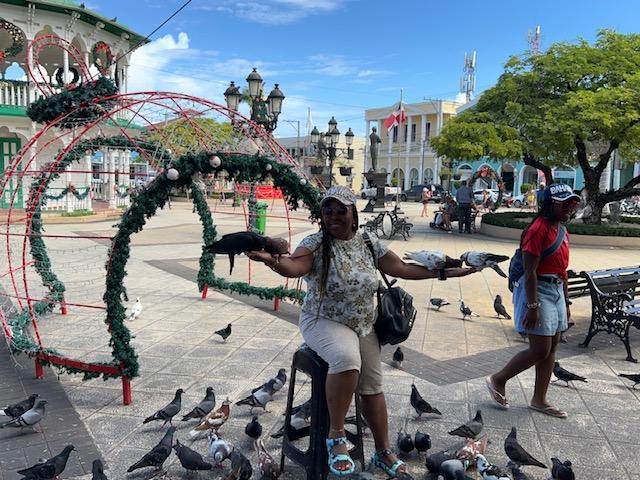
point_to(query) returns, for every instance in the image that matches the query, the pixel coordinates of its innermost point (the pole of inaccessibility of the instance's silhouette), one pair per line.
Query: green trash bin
(261, 217)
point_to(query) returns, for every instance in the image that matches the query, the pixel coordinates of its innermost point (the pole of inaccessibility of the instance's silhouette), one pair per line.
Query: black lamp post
(327, 144)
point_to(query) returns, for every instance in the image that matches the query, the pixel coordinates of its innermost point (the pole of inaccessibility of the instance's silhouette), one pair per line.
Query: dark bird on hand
(97, 470)
(48, 469)
(518, 455)
(240, 242)
(167, 413)
(634, 377)
(158, 454)
(420, 404)
(224, 332)
(422, 441)
(404, 442)
(499, 308)
(562, 470)
(190, 459)
(439, 303)
(434, 460)
(253, 428)
(466, 311)
(471, 429)
(207, 404)
(398, 358)
(565, 375)
(240, 467)
(30, 418)
(517, 473)
(17, 409)
(260, 397)
(480, 260)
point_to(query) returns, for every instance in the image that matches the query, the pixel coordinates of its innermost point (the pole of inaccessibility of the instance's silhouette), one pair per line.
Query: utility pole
(533, 38)
(468, 80)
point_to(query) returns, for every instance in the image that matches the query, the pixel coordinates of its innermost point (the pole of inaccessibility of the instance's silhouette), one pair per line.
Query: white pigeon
(480, 260)
(433, 260)
(219, 449)
(136, 310)
(489, 471)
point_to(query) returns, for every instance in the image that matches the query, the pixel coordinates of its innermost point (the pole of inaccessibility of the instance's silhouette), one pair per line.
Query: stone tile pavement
(447, 358)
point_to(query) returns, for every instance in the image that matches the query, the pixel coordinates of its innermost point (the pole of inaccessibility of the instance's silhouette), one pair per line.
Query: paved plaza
(446, 357)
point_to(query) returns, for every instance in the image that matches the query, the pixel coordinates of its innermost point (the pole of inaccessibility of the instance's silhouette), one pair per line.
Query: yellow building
(405, 152)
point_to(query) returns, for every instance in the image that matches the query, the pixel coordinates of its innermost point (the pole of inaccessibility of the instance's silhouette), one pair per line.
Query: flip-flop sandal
(550, 410)
(497, 397)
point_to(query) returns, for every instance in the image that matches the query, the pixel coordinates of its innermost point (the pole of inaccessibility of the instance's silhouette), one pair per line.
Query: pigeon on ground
(242, 242)
(48, 469)
(30, 418)
(253, 428)
(419, 404)
(213, 420)
(158, 454)
(267, 466)
(472, 448)
(490, 472)
(398, 358)
(450, 468)
(300, 422)
(466, 311)
(518, 455)
(434, 460)
(260, 397)
(480, 260)
(404, 442)
(634, 377)
(499, 308)
(136, 310)
(565, 375)
(17, 409)
(422, 441)
(190, 459)
(97, 470)
(471, 429)
(439, 303)
(224, 332)
(167, 413)
(517, 473)
(562, 470)
(219, 449)
(279, 380)
(240, 467)
(207, 404)
(433, 260)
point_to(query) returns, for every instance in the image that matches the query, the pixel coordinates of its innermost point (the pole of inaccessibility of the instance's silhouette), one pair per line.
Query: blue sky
(340, 57)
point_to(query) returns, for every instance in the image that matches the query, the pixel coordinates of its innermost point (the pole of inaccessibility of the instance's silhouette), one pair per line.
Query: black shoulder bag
(395, 314)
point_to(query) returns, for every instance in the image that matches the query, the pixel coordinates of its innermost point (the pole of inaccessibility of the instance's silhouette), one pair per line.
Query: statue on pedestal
(374, 141)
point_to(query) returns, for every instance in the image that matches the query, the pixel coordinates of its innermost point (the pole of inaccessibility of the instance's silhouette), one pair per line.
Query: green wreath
(102, 57)
(18, 40)
(485, 172)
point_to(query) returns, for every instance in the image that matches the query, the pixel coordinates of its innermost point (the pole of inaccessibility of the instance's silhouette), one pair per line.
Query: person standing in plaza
(337, 319)
(426, 196)
(540, 298)
(464, 197)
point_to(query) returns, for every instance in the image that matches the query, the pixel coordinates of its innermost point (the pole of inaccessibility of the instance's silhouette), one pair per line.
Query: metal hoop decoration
(485, 172)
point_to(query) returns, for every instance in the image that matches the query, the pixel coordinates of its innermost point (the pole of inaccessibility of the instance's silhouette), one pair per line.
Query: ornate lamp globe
(348, 137)
(232, 95)
(255, 84)
(275, 101)
(315, 135)
(335, 136)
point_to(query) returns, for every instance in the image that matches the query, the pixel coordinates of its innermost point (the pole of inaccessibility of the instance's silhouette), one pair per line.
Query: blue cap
(559, 193)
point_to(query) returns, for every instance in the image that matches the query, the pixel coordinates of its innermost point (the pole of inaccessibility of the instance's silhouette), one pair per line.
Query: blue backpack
(516, 265)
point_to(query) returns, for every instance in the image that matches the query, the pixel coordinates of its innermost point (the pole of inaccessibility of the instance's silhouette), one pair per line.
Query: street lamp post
(264, 112)
(327, 144)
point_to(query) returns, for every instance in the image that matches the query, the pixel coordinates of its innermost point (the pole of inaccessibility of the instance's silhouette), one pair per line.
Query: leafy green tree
(194, 134)
(575, 104)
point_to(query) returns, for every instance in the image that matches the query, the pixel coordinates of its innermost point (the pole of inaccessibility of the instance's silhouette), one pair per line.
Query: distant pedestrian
(531, 199)
(464, 197)
(540, 195)
(426, 196)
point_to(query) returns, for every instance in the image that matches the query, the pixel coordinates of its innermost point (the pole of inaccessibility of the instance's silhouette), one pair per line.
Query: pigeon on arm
(480, 260)
(241, 242)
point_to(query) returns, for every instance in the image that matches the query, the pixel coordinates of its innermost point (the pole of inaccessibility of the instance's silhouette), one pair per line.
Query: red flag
(397, 117)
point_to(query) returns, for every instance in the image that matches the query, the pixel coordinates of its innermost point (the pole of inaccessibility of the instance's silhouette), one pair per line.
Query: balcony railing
(400, 148)
(17, 93)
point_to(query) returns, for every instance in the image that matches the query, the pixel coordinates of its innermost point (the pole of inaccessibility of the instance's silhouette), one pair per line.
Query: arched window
(413, 177)
(465, 171)
(397, 177)
(427, 175)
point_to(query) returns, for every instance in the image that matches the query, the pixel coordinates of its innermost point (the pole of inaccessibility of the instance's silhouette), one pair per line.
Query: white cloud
(273, 12)
(372, 73)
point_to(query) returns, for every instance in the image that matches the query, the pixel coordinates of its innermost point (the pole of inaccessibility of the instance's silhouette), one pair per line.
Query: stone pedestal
(375, 179)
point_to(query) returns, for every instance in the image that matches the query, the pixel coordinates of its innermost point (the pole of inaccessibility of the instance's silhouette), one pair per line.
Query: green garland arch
(487, 171)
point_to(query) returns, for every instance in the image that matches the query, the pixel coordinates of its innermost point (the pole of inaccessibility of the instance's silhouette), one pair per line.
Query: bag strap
(562, 232)
(367, 241)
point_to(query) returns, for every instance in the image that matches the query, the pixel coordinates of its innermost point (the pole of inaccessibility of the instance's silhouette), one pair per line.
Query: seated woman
(337, 319)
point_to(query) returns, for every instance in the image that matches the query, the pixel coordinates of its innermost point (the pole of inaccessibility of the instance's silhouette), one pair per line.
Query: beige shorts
(344, 350)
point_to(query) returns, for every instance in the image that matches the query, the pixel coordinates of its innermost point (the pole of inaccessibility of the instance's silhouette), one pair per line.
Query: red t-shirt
(540, 236)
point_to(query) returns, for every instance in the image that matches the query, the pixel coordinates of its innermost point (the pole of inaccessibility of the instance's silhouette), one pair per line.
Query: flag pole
(398, 188)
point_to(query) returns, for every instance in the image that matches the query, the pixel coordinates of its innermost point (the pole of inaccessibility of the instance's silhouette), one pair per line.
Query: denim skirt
(552, 312)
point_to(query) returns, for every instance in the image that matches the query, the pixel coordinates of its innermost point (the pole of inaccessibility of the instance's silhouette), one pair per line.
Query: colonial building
(405, 153)
(105, 45)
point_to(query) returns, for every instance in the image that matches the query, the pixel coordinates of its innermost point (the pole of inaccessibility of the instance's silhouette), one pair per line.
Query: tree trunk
(532, 161)
(594, 205)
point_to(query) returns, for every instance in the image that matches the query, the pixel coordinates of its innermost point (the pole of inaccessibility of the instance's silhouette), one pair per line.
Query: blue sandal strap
(339, 457)
(389, 470)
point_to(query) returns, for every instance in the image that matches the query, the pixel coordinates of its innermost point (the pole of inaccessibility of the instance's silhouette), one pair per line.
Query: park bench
(615, 301)
(474, 215)
(389, 227)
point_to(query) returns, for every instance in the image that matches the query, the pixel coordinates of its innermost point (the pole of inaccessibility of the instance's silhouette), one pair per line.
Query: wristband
(532, 306)
(274, 265)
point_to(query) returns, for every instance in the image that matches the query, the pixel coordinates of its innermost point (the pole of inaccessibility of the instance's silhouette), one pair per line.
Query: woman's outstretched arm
(392, 265)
